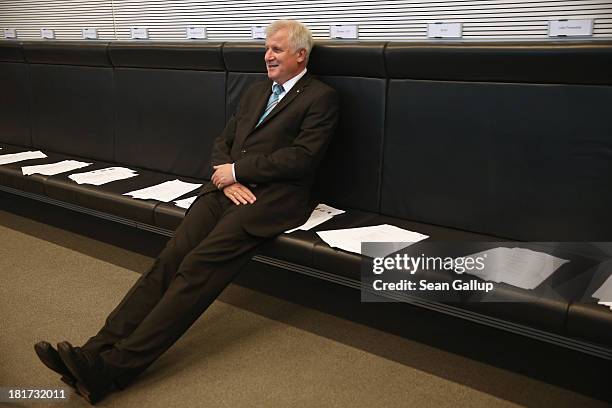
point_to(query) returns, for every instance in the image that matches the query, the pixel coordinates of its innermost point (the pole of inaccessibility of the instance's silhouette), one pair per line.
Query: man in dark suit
(264, 164)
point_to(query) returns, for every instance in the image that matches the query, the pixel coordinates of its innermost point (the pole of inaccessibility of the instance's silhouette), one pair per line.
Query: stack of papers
(350, 239)
(54, 168)
(166, 191)
(185, 202)
(320, 214)
(604, 293)
(103, 176)
(17, 157)
(519, 267)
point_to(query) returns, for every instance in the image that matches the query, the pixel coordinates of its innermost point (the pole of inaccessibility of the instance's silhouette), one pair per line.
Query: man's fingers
(232, 197)
(220, 183)
(240, 195)
(248, 195)
(240, 198)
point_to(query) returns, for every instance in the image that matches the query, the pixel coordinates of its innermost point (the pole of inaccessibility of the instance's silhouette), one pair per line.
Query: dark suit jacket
(278, 159)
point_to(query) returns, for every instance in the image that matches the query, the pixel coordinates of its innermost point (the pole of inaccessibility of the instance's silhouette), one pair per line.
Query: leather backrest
(72, 98)
(245, 65)
(14, 103)
(82, 53)
(541, 63)
(11, 51)
(483, 140)
(350, 174)
(170, 105)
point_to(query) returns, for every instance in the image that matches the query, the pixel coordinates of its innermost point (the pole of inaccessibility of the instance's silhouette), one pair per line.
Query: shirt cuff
(234, 173)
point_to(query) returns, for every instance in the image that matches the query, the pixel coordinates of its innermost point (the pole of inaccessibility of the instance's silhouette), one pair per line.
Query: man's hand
(222, 177)
(239, 194)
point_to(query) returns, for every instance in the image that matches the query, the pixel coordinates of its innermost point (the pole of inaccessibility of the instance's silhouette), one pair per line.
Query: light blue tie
(272, 102)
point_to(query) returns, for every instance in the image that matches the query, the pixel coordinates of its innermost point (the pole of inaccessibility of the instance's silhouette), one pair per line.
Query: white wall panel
(67, 18)
(232, 20)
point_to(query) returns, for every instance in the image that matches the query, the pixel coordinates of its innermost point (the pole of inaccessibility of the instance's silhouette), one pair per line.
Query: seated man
(264, 164)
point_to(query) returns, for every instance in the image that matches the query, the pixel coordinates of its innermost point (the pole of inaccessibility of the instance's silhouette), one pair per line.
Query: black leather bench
(462, 142)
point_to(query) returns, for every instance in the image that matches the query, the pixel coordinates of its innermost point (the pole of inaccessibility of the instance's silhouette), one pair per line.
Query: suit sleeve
(303, 156)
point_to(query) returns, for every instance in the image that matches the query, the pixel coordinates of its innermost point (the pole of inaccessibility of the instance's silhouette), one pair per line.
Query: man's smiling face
(282, 62)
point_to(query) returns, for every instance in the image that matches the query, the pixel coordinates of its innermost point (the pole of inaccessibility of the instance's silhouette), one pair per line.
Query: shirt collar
(290, 83)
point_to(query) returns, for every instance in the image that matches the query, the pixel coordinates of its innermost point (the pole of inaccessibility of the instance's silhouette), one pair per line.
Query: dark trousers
(206, 252)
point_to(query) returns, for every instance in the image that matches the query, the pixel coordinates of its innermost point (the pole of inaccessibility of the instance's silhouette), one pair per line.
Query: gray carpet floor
(250, 349)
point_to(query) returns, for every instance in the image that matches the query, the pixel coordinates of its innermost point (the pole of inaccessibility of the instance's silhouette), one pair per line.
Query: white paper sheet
(320, 214)
(103, 176)
(519, 267)
(604, 293)
(17, 157)
(185, 202)
(166, 191)
(54, 168)
(607, 304)
(350, 239)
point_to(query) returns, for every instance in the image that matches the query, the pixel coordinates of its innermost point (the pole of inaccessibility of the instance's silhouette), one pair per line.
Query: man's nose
(268, 56)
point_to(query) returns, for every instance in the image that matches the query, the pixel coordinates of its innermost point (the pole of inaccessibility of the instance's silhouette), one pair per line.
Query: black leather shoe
(91, 382)
(50, 358)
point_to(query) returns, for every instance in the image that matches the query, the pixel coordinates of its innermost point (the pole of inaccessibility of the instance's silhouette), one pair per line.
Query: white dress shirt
(289, 84)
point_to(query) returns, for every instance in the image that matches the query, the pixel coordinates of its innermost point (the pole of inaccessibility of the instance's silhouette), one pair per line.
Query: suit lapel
(259, 105)
(287, 99)
(293, 93)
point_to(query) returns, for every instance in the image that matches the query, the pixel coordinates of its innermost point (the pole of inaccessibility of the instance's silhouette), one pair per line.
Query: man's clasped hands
(223, 178)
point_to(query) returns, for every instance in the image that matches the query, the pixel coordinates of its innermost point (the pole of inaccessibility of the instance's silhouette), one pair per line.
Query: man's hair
(299, 35)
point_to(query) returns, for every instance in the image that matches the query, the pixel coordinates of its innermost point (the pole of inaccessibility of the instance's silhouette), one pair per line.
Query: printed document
(320, 214)
(185, 202)
(519, 267)
(103, 176)
(17, 157)
(607, 304)
(604, 293)
(54, 168)
(166, 191)
(350, 239)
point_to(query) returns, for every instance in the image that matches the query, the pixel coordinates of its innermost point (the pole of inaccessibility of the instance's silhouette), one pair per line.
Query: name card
(570, 28)
(444, 30)
(341, 31)
(139, 33)
(10, 33)
(196, 33)
(89, 33)
(47, 33)
(258, 32)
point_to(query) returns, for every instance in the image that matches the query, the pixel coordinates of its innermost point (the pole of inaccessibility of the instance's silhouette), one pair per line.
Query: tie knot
(277, 89)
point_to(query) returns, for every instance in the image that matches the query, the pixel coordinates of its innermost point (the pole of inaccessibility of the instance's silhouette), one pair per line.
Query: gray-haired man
(264, 164)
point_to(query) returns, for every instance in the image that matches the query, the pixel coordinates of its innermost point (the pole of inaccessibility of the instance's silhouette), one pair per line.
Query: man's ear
(301, 55)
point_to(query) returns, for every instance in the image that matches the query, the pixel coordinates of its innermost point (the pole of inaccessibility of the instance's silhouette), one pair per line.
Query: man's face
(281, 61)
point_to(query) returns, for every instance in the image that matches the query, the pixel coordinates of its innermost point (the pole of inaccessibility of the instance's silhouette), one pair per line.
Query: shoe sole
(84, 392)
(89, 397)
